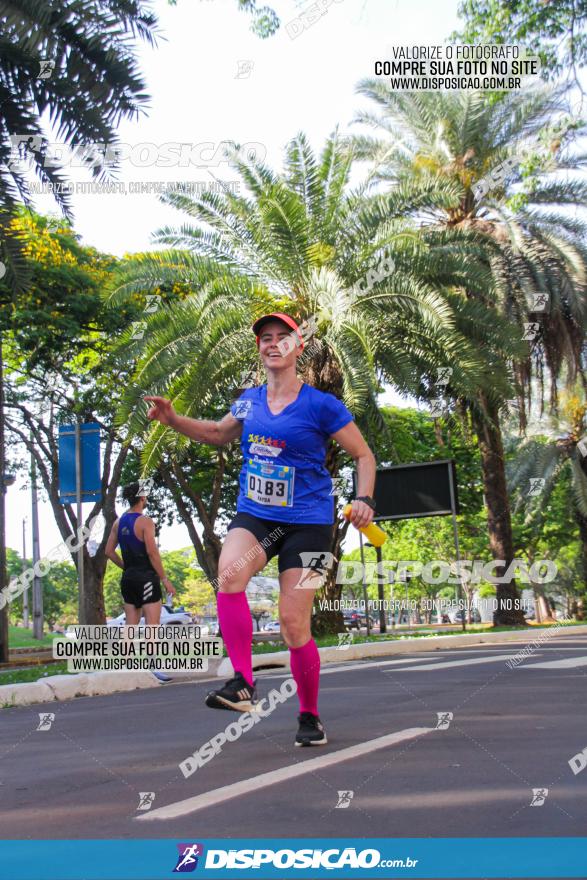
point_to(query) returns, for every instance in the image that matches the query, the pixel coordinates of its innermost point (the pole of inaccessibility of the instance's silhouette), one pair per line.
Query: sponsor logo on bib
(262, 449)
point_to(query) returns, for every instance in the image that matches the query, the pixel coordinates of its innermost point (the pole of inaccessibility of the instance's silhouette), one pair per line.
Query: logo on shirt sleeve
(242, 409)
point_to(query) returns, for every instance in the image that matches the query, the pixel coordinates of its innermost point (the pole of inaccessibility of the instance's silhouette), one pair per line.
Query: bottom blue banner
(500, 857)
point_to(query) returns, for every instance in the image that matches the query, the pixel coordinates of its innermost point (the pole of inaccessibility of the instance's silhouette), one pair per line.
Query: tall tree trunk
(3, 577)
(543, 611)
(93, 611)
(579, 607)
(487, 427)
(207, 547)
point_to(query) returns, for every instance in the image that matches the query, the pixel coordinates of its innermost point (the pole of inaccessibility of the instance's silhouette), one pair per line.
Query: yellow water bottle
(372, 532)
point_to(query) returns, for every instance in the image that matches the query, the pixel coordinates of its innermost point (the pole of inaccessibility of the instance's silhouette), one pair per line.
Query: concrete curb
(90, 684)
(25, 694)
(67, 687)
(335, 654)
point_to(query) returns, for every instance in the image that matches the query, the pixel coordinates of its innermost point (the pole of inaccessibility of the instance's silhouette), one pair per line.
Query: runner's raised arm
(202, 430)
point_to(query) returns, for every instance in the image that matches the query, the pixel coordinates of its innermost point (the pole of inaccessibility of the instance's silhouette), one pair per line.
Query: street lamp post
(25, 595)
(37, 582)
(380, 593)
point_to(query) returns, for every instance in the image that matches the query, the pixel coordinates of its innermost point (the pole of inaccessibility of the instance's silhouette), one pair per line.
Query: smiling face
(270, 336)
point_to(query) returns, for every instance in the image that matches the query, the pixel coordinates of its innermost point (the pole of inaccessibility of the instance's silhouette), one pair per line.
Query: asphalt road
(512, 731)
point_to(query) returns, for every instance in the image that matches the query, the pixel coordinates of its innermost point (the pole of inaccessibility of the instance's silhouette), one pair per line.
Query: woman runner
(285, 508)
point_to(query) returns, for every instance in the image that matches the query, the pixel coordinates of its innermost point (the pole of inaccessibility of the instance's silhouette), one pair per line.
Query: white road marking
(497, 658)
(246, 786)
(580, 646)
(358, 664)
(568, 663)
(353, 665)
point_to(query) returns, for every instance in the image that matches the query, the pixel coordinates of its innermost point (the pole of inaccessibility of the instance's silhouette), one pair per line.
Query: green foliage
(547, 520)
(552, 30)
(299, 241)
(265, 21)
(518, 239)
(60, 316)
(486, 591)
(93, 80)
(72, 63)
(412, 436)
(197, 596)
(550, 533)
(59, 587)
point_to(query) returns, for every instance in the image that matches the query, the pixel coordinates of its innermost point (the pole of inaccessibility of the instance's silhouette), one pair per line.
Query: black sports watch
(368, 500)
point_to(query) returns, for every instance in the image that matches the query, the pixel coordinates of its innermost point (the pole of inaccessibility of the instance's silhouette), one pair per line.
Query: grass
(32, 673)
(19, 637)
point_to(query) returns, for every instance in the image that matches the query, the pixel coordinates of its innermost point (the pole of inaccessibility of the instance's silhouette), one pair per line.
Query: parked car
(457, 617)
(356, 619)
(352, 619)
(169, 616)
(272, 627)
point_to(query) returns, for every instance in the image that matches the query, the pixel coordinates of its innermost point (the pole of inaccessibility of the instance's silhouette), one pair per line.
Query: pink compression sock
(236, 626)
(305, 668)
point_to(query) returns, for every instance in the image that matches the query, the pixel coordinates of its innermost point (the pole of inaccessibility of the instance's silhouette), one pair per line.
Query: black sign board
(406, 491)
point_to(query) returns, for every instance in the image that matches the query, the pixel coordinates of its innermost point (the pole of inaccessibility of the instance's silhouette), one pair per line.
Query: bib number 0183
(267, 487)
(269, 484)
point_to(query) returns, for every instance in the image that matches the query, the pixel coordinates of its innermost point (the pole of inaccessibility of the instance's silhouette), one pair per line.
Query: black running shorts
(298, 545)
(140, 587)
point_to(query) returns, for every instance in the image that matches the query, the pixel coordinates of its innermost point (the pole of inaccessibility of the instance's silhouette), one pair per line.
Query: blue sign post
(85, 441)
(79, 480)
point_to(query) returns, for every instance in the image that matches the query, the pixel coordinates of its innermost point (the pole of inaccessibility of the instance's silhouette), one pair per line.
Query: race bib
(270, 484)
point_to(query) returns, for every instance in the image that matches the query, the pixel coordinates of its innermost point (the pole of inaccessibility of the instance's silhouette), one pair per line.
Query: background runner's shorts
(298, 544)
(140, 587)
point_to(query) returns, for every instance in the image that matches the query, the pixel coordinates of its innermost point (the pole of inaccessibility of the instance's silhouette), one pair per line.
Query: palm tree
(552, 455)
(73, 61)
(300, 242)
(525, 236)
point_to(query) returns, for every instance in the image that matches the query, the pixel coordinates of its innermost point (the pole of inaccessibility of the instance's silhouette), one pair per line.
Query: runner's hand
(162, 410)
(361, 514)
(169, 586)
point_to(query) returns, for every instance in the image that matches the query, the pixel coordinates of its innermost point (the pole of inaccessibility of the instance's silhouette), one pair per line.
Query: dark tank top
(134, 553)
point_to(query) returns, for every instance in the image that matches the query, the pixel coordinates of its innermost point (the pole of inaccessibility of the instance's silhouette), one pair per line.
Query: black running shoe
(310, 732)
(236, 695)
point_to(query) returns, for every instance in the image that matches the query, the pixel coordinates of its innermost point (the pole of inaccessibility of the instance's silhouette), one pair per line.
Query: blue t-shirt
(283, 476)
